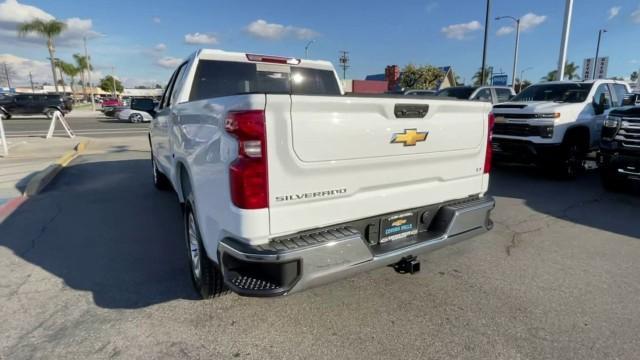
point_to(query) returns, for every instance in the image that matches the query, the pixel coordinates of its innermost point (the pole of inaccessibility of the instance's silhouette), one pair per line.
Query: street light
(306, 49)
(515, 53)
(484, 45)
(522, 77)
(595, 62)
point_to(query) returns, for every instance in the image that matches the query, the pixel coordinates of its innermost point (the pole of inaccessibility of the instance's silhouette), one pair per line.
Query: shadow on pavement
(583, 201)
(102, 227)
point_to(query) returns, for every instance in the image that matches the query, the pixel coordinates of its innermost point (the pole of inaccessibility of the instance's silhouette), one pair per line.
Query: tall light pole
(484, 46)
(33, 90)
(515, 53)
(522, 77)
(566, 27)
(86, 56)
(306, 49)
(595, 62)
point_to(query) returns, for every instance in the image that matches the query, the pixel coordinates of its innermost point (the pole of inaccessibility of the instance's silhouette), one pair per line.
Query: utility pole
(484, 47)
(113, 80)
(306, 49)
(595, 62)
(33, 90)
(344, 63)
(6, 74)
(86, 55)
(522, 77)
(562, 58)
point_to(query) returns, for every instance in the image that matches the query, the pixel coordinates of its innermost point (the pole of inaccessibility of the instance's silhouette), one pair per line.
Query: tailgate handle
(410, 111)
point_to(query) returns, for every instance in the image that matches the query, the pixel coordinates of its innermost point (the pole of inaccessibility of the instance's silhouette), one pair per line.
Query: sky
(141, 42)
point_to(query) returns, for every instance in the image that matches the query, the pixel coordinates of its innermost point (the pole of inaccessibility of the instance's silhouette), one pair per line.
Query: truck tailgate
(336, 159)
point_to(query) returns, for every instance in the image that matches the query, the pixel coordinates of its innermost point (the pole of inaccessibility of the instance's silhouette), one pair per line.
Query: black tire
(160, 180)
(611, 181)
(136, 118)
(5, 116)
(571, 161)
(207, 279)
(49, 113)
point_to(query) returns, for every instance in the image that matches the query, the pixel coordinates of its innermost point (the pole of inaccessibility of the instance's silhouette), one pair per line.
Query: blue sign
(499, 80)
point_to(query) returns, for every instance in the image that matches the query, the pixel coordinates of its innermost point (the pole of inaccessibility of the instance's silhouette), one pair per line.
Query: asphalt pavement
(88, 126)
(96, 267)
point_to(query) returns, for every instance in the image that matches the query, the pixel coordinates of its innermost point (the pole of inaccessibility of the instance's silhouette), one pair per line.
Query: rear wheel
(159, 179)
(207, 279)
(49, 113)
(135, 118)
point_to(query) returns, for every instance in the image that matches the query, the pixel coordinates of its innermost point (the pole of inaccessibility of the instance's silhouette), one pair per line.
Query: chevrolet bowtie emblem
(409, 137)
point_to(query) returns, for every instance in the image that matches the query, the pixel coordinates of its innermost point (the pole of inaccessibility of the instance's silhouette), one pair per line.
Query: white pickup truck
(555, 124)
(287, 183)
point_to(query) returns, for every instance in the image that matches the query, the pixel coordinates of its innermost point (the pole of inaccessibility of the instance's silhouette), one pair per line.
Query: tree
(48, 30)
(423, 77)
(634, 76)
(6, 74)
(158, 86)
(82, 63)
(522, 84)
(477, 77)
(71, 71)
(106, 84)
(570, 73)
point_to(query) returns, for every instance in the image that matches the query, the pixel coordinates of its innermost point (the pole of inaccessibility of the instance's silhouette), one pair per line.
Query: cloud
(272, 31)
(169, 62)
(156, 19)
(160, 47)
(614, 11)
(460, 31)
(527, 22)
(20, 68)
(635, 16)
(505, 30)
(13, 13)
(200, 39)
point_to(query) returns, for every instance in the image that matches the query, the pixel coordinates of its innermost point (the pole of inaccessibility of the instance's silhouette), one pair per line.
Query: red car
(111, 103)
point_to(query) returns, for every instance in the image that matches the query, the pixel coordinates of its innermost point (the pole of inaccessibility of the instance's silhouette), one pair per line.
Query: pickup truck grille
(629, 133)
(515, 129)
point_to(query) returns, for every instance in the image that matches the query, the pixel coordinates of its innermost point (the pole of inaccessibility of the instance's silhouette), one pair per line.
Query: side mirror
(146, 105)
(598, 108)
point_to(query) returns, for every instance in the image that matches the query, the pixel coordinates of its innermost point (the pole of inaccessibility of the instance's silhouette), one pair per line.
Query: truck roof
(216, 54)
(582, 81)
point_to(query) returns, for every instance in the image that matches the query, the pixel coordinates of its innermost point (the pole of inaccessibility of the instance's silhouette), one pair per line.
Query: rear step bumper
(284, 268)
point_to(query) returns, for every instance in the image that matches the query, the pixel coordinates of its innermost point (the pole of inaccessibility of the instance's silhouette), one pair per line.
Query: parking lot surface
(96, 267)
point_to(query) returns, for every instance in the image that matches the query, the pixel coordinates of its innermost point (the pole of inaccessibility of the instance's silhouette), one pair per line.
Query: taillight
(489, 152)
(248, 173)
(273, 59)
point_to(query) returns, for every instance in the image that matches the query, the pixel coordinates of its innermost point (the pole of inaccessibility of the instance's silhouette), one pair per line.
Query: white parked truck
(286, 183)
(555, 124)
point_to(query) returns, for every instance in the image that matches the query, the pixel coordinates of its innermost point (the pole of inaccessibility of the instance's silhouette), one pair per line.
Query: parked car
(34, 104)
(111, 102)
(112, 111)
(134, 116)
(287, 183)
(620, 145)
(492, 94)
(555, 124)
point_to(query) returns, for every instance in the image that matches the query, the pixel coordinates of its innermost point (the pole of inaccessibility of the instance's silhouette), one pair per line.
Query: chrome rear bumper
(338, 253)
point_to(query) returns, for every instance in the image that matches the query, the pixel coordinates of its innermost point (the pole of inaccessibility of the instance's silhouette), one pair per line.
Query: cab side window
(483, 95)
(168, 92)
(620, 91)
(503, 95)
(603, 96)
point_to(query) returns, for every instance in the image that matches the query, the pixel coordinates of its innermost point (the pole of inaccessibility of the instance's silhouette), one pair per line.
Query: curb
(44, 177)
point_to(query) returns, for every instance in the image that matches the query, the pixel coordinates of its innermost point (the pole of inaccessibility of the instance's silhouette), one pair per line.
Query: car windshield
(457, 92)
(572, 93)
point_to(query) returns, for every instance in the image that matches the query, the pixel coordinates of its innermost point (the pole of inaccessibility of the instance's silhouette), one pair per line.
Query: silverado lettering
(311, 195)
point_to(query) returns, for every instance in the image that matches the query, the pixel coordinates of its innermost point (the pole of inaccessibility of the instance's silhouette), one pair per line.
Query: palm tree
(634, 76)
(49, 30)
(570, 73)
(477, 77)
(82, 63)
(71, 71)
